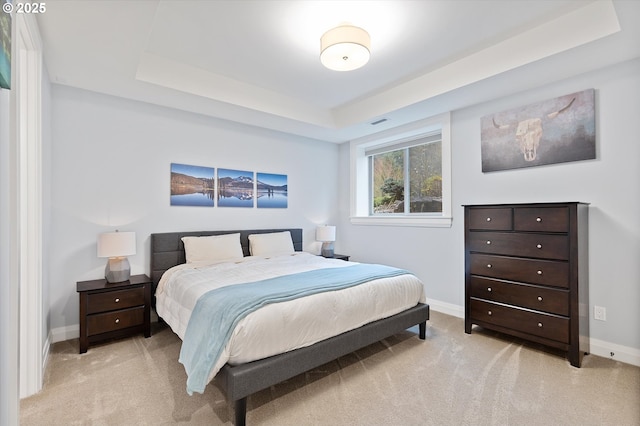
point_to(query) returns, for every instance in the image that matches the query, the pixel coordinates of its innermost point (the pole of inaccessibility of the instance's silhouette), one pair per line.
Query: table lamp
(326, 234)
(117, 246)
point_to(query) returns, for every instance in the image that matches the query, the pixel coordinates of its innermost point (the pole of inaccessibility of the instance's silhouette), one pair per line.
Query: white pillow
(214, 248)
(271, 244)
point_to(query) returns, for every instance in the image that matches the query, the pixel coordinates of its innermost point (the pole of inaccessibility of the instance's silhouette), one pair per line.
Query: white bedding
(284, 326)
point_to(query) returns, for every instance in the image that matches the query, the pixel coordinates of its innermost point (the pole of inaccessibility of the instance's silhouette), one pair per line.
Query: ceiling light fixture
(345, 48)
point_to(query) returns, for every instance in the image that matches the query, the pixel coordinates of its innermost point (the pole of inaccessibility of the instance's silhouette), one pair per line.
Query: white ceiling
(257, 62)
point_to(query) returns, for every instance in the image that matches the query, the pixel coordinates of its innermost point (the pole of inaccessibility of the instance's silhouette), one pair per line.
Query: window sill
(422, 221)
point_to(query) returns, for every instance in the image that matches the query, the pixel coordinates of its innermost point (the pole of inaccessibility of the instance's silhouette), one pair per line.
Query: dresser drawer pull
(489, 289)
(489, 312)
(488, 219)
(539, 298)
(539, 272)
(538, 219)
(117, 320)
(117, 300)
(539, 246)
(540, 324)
(488, 265)
(488, 242)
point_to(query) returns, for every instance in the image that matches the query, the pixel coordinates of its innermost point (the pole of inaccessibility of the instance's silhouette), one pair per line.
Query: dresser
(114, 310)
(526, 273)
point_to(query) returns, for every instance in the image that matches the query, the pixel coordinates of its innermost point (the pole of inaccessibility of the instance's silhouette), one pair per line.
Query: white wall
(111, 163)
(92, 192)
(611, 183)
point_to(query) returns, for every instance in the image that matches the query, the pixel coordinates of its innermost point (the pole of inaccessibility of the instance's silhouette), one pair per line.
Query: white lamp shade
(326, 233)
(345, 48)
(116, 244)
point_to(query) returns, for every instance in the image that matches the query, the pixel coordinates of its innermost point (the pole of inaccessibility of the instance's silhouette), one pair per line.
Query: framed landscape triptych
(201, 186)
(5, 47)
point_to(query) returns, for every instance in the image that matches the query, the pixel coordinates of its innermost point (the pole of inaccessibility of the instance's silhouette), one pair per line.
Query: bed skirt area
(240, 381)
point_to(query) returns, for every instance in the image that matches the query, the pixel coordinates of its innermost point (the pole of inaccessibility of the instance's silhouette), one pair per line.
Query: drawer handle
(488, 219)
(539, 272)
(539, 298)
(489, 289)
(540, 324)
(117, 299)
(538, 219)
(488, 242)
(539, 246)
(490, 313)
(117, 320)
(488, 265)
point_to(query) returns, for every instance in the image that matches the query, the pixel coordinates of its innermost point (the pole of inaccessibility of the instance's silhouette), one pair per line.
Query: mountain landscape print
(192, 185)
(5, 48)
(235, 188)
(271, 190)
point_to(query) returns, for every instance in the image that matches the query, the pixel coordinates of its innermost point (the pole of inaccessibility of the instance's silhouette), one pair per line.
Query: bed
(239, 379)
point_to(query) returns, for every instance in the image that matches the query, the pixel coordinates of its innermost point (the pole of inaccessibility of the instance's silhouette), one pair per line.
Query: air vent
(382, 120)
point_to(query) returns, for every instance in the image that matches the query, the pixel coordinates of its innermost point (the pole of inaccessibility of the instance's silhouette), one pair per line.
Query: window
(403, 176)
(414, 170)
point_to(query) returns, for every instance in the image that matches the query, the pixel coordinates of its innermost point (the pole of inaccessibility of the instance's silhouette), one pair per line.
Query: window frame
(361, 191)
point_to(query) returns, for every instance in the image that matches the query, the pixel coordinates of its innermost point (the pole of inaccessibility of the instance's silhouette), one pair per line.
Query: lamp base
(117, 270)
(327, 249)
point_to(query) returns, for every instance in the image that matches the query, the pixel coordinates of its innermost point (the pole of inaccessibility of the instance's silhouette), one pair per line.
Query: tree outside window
(414, 170)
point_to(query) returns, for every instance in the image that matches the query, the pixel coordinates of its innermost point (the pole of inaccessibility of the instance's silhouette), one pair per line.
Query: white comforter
(284, 326)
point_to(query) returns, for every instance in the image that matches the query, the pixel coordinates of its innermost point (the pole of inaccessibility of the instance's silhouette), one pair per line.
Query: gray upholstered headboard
(167, 249)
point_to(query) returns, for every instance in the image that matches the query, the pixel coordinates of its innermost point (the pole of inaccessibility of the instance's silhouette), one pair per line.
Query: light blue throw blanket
(218, 311)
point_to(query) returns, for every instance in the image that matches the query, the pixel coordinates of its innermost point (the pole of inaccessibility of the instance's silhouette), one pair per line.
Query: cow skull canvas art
(554, 131)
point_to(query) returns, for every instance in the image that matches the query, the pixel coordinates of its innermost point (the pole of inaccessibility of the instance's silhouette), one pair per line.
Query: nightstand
(114, 310)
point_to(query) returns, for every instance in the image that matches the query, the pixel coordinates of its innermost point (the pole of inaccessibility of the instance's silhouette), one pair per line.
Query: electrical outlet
(600, 313)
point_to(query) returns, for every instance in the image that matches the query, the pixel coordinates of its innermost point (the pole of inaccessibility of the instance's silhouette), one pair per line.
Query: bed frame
(240, 381)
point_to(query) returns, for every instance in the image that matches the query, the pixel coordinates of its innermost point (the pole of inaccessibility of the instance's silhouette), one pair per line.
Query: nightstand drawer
(541, 246)
(539, 324)
(491, 219)
(116, 320)
(527, 296)
(545, 272)
(112, 300)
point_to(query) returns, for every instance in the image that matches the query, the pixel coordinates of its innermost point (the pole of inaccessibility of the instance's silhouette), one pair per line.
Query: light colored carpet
(450, 379)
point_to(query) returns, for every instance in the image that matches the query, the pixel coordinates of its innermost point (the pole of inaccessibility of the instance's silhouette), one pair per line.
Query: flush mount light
(345, 48)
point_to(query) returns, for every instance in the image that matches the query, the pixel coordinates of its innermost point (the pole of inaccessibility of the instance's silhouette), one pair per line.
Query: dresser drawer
(543, 246)
(109, 301)
(534, 271)
(541, 219)
(539, 324)
(115, 320)
(491, 219)
(555, 301)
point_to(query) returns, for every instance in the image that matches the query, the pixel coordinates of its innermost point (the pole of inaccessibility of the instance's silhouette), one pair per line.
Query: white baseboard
(61, 334)
(45, 353)
(614, 351)
(597, 347)
(446, 308)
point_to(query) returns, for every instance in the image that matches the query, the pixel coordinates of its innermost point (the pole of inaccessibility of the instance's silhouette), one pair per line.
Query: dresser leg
(575, 358)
